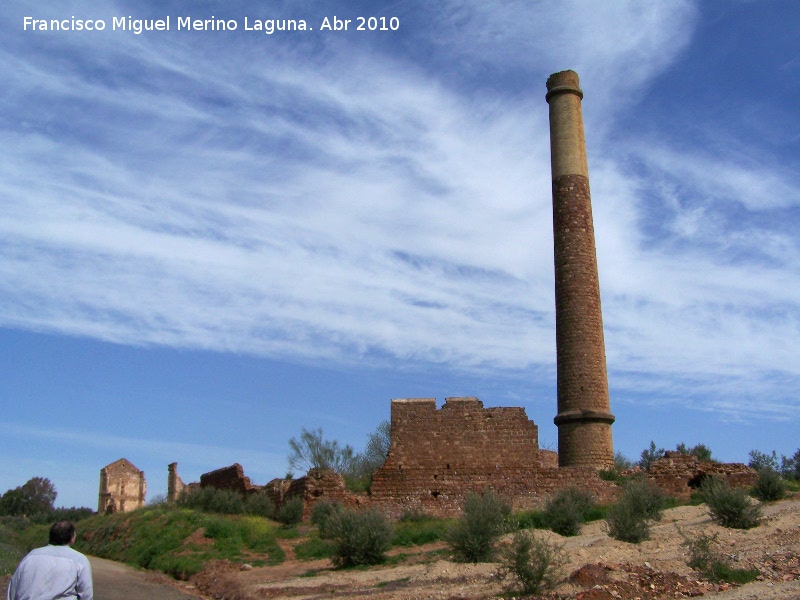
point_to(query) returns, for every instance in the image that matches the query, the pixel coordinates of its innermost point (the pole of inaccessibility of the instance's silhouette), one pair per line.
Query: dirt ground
(599, 568)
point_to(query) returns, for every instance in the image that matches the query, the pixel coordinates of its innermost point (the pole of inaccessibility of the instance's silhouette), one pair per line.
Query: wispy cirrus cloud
(342, 205)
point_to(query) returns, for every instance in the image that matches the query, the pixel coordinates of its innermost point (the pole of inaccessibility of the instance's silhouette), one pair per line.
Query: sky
(212, 239)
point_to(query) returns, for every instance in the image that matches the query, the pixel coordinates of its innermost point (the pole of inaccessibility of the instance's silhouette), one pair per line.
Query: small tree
(700, 451)
(760, 460)
(650, 455)
(312, 451)
(622, 462)
(790, 466)
(35, 496)
(376, 450)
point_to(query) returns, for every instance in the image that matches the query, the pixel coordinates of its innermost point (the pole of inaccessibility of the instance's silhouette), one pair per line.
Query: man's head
(62, 533)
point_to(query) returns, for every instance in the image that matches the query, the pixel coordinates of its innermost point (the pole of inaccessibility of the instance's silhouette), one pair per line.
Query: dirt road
(115, 581)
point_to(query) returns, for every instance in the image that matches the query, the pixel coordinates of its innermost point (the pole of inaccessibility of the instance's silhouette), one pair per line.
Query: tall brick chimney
(584, 414)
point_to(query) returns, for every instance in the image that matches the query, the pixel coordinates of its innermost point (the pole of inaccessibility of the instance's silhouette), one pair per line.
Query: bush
(321, 514)
(260, 505)
(729, 507)
(769, 486)
(359, 537)
(629, 519)
(712, 564)
(291, 513)
(471, 537)
(213, 500)
(532, 563)
(567, 510)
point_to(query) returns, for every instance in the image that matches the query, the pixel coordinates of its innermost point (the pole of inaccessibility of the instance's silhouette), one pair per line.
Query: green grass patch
(724, 572)
(530, 519)
(313, 548)
(419, 531)
(169, 539)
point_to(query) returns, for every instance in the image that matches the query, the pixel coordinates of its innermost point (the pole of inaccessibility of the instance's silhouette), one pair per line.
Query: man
(55, 571)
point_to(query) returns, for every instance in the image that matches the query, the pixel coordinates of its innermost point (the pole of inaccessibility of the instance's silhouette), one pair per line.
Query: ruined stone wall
(122, 487)
(437, 457)
(229, 478)
(175, 485)
(318, 484)
(680, 474)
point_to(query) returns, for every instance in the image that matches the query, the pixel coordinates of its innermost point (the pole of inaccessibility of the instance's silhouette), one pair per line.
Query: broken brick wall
(229, 478)
(317, 485)
(679, 474)
(438, 456)
(175, 485)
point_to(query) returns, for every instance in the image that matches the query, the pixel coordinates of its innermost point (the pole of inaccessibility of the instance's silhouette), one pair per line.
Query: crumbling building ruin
(122, 487)
(438, 456)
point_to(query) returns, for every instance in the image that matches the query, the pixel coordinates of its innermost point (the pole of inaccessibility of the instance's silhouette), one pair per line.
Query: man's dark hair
(61, 533)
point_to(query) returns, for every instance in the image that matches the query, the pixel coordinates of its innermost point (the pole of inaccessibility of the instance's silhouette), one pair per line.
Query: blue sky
(211, 239)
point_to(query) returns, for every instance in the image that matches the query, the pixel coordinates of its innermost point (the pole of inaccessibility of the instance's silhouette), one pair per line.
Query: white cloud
(332, 207)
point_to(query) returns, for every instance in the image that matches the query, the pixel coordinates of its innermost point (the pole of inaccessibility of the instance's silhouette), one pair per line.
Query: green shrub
(321, 513)
(639, 505)
(260, 505)
(291, 513)
(567, 509)
(729, 507)
(471, 537)
(531, 562)
(769, 486)
(712, 564)
(313, 548)
(213, 500)
(530, 519)
(359, 537)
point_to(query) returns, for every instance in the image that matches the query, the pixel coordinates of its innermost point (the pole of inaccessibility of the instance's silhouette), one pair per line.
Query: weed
(712, 564)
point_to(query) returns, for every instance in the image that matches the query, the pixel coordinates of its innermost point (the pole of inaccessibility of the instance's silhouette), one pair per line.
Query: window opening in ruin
(435, 494)
(696, 481)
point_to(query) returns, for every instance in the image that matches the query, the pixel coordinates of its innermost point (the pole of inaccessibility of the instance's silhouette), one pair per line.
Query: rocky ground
(599, 568)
